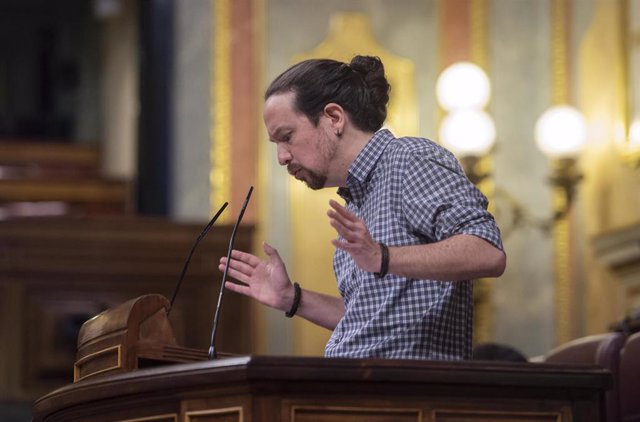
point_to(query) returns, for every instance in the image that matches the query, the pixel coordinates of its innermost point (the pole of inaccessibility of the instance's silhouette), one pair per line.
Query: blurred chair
(630, 379)
(602, 350)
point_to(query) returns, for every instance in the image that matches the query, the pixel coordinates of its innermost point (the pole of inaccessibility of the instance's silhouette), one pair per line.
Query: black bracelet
(384, 261)
(297, 292)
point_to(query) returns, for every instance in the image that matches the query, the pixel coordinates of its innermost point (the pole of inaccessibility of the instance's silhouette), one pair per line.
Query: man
(413, 234)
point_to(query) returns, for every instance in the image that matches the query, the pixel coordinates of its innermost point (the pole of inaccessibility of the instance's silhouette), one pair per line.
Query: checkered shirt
(408, 191)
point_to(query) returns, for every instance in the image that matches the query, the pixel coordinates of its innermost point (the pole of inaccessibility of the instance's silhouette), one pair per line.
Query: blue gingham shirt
(408, 191)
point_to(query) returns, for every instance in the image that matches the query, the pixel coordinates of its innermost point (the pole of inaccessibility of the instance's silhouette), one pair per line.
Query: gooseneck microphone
(193, 248)
(212, 346)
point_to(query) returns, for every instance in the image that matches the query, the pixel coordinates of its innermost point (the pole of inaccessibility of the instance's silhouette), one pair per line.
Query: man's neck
(350, 145)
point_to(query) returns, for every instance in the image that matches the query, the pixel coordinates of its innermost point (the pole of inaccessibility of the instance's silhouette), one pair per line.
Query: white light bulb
(462, 86)
(468, 132)
(561, 132)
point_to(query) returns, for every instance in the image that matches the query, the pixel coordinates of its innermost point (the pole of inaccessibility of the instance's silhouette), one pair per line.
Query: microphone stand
(193, 248)
(212, 348)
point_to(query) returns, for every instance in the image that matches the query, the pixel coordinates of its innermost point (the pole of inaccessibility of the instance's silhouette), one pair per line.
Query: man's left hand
(355, 238)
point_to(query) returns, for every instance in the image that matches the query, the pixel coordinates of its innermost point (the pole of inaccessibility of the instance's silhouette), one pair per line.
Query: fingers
(245, 257)
(348, 225)
(342, 215)
(346, 234)
(236, 265)
(238, 288)
(241, 266)
(236, 274)
(270, 250)
(343, 211)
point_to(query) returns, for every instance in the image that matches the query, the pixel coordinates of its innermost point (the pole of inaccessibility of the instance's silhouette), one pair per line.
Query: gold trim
(562, 268)
(239, 410)
(477, 412)
(483, 288)
(76, 365)
(259, 325)
(479, 42)
(561, 227)
(630, 154)
(559, 68)
(353, 409)
(152, 418)
(220, 94)
(625, 52)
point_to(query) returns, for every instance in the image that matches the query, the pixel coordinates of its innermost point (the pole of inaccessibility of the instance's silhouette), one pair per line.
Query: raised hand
(265, 281)
(356, 239)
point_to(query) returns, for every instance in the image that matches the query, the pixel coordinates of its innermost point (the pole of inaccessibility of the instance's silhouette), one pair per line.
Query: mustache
(292, 168)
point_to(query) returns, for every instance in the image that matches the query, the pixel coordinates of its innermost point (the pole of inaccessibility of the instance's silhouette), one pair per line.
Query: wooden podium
(126, 371)
(279, 389)
(132, 335)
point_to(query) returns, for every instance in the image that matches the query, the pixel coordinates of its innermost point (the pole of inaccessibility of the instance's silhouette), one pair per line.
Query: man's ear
(336, 114)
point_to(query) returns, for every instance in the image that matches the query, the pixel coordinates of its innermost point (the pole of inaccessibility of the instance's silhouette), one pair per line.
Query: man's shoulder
(408, 147)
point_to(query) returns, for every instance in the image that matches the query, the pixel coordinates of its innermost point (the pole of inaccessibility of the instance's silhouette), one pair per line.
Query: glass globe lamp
(463, 86)
(561, 132)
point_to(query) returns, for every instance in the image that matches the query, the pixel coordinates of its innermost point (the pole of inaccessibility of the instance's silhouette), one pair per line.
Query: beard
(316, 180)
(312, 179)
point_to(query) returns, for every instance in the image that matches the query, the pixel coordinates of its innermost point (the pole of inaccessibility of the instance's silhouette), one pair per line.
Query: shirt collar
(362, 167)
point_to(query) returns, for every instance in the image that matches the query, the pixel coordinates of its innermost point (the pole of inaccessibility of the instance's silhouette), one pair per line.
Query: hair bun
(372, 71)
(366, 65)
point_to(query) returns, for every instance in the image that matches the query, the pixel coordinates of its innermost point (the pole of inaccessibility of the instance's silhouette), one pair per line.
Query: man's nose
(284, 156)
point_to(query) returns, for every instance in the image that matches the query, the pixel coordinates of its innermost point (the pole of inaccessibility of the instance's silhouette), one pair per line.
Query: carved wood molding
(619, 251)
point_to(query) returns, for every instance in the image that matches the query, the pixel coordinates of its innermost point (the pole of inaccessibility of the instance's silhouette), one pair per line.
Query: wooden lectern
(303, 389)
(118, 379)
(133, 335)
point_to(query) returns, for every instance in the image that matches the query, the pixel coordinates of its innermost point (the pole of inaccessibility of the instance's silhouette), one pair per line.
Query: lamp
(470, 134)
(463, 86)
(561, 133)
(463, 90)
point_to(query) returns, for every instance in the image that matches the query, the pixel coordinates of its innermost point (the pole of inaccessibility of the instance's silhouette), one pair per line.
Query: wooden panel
(38, 179)
(57, 273)
(497, 416)
(159, 418)
(231, 414)
(279, 389)
(47, 153)
(353, 414)
(101, 191)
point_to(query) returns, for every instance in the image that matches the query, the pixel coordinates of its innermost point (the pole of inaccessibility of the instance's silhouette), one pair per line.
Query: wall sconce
(463, 90)
(470, 134)
(561, 133)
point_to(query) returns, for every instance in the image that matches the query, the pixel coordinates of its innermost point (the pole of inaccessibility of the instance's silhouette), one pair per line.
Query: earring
(338, 133)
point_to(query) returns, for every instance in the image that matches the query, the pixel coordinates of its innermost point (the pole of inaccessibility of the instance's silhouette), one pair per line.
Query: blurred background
(125, 124)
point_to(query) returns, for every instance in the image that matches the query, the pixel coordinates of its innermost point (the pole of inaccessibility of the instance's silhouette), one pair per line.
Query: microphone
(193, 248)
(212, 346)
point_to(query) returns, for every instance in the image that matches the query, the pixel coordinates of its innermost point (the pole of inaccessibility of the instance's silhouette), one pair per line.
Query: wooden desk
(261, 388)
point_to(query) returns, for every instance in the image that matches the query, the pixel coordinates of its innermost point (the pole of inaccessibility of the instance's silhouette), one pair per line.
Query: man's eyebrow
(277, 133)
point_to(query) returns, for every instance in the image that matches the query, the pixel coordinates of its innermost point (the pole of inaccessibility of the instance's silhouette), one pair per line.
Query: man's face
(305, 149)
